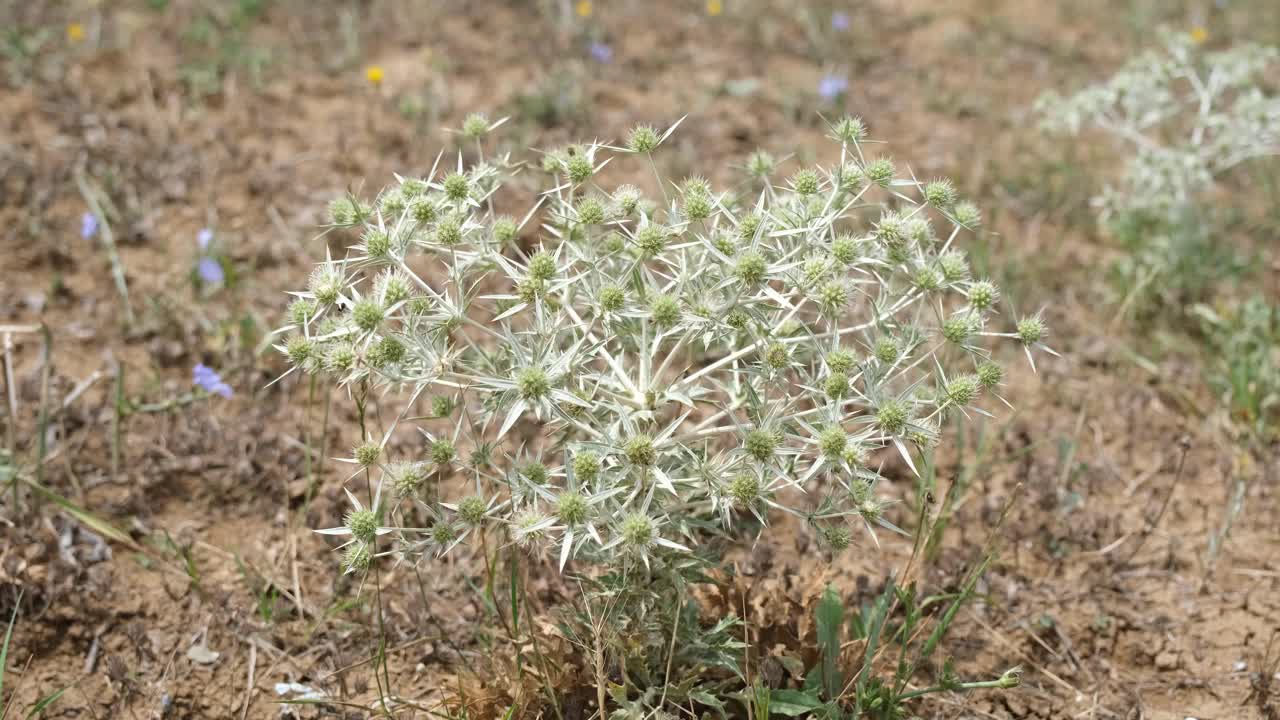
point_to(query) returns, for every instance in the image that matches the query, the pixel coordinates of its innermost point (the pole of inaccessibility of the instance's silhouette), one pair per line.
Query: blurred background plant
(1183, 117)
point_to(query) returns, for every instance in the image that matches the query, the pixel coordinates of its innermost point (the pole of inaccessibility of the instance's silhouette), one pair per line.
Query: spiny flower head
(760, 444)
(892, 416)
(586, 466)
(442, 452)
(880, 171)
(833, 441)
(456, 186)
(612, 298)
(640, 450)
(578, 168)
(960, 328)
(340, 357)
(475, 126)
(591, 211)
(940, 194)
(887, 350)
(833, 296)
(761, 164)
(815, 270)
(844, 249)
(300, 350)
(989, 374)
(442, 533)
(637, 531)
(962, 390)
(357, 558)
(346, 210)
(836, 386)
(652, 240)
(665, 310)
(838, 537)
(424, 210)
(744, 490)
(542, 266)
(386, 351)
(777, 356)
(643, 139)
(533, 383)
(572, 508)
(363, 525)
(698, 206)
(751, 268)
(367, 454)
(627, 198)
(841, 361)
(954, 267)
(472, 510)
(1032, 329)
(505, 230)
(409, 478)
(368, 314)
(928, 279)
(850, 130)
(536, 473)
(967, 214)
(449, 231)
(983, 295)
(805, 181)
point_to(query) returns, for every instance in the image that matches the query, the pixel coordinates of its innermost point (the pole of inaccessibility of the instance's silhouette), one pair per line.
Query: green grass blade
(44, 704)
(4, 650)
(874, 624)
(84, 517)
(830, 620)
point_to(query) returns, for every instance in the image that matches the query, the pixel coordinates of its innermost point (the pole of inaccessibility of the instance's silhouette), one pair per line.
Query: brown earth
(209, 494)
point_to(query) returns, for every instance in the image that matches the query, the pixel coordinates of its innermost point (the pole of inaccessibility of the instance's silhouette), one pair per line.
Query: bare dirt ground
(1110, 616)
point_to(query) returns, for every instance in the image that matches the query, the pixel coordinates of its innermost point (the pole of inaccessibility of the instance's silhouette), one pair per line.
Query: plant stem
(978, 685)
(537, 650)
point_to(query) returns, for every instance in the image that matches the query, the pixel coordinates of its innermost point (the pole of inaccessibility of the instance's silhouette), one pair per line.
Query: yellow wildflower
(715, 7)
(584, 8)
(374, 74)
(1199, 35)
(75, 32)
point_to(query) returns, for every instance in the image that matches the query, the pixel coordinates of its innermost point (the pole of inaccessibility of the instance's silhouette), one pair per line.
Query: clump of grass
(653, 378)
(1242, 340)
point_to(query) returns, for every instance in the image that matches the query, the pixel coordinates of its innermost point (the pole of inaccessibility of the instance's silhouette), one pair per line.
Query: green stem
(379, 654)
(116, 428)
(537, 652)
(979, 685)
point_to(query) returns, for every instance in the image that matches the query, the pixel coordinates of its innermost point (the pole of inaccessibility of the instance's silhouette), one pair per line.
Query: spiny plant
(651, 378)
(1187, 115)
(1183, 117)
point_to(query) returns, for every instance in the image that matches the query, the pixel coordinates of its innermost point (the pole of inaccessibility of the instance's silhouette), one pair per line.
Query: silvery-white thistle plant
(1184, 115)
(653, 364)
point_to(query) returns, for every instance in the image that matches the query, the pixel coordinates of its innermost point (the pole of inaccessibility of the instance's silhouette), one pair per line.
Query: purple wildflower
(208, 379)
(601, 52)
(88, 225)
(831, 87)
(203, 238)
(210, 271)
(840, 21)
